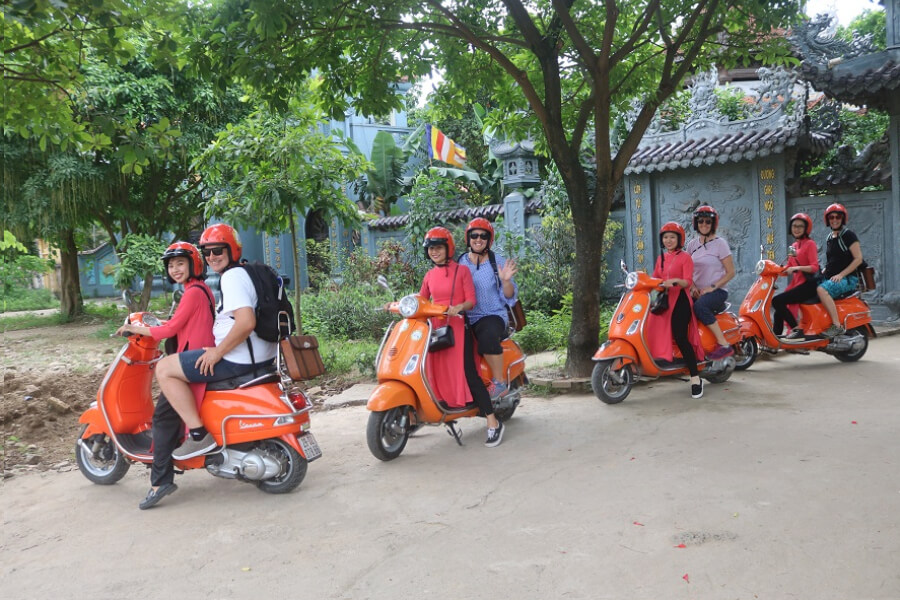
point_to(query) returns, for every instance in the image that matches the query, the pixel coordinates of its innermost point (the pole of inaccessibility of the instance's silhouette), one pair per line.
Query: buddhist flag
(443, 148)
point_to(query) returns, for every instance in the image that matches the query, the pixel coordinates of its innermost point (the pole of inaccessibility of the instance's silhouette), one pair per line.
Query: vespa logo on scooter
(250, 425)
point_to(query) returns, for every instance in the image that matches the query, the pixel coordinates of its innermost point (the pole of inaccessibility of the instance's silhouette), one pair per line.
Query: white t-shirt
(238, 292)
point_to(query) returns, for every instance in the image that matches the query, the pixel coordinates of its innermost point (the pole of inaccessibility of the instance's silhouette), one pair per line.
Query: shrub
(346, 313)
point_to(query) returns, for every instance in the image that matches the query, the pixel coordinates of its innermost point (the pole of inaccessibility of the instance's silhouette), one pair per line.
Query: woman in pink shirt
(803, 264)
(192, 323)
(676, 269)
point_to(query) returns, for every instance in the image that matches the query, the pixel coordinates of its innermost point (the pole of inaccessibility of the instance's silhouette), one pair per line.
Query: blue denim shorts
(222, 370)
(844, 286)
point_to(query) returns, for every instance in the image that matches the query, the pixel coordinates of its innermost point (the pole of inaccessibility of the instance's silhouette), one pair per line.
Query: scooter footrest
(455, 409)
(138, 443)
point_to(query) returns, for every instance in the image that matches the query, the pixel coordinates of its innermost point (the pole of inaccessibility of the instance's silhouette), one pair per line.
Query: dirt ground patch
(48, 376)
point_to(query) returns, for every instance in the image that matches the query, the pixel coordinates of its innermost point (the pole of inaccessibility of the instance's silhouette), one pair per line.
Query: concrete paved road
(781, 483)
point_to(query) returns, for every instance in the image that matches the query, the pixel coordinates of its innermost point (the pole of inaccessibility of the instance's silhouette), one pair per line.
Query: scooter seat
(244, 381)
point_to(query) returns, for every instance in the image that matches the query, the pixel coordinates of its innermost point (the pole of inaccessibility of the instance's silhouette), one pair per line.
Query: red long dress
(445, 369)
(807, 256)
(677, 265)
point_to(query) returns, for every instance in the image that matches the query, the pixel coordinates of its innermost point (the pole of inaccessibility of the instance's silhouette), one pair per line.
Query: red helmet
(672, 227)
(837, 208)
(196, 266)
(480, 223)
(709, 212)
(222, 234)
(439, 236)
(805, 218)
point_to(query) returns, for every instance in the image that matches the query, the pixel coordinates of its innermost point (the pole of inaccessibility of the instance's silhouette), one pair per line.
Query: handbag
(660, 303)
(867, 277)
(441, 338)
(516, 314)
(301, 357)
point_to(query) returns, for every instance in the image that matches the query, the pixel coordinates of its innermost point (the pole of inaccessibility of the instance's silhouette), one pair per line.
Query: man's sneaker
(833, 331)
(154, 496)
(720, 352)
(495, 435)
(191, 447)
(497, 389)
(697, 390)
(795, 334)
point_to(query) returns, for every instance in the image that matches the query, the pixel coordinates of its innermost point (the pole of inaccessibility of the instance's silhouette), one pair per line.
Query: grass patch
(349, 358)
(27, 299)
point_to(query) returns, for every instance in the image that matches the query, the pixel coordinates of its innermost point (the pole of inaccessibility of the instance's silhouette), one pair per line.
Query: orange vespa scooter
(261, 424)
(756, 323)
(625, 357)
(403, 401)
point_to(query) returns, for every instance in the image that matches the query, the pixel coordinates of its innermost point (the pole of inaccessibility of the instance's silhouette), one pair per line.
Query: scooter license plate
(310, 446)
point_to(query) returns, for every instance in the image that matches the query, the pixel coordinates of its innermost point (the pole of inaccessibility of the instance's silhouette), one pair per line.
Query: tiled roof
(725, 147)
(489, 212)
(870, 81)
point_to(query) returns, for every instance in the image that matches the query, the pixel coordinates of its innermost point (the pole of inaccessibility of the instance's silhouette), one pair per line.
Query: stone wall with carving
(748, 197)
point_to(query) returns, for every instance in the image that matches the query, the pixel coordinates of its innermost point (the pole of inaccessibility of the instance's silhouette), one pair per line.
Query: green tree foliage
(17, 266)
(139, 256)
(559, 70)
(868, 22)
(267, 168)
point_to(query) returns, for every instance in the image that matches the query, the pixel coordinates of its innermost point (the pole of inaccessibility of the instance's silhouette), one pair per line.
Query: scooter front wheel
(99, 460)
(611, 385)
(388, 432)
(747, 351)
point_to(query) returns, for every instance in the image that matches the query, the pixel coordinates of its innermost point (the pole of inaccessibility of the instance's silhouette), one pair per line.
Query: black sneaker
(191, 447)
(494, 435)
(697, 390)
(154, 496)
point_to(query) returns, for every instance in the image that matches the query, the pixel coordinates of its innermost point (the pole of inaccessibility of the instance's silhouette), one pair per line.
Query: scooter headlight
(760, 266)
(409, 305)
(631, 280)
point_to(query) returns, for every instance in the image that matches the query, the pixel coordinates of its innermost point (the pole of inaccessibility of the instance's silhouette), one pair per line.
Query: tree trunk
(71, 304)
(590, 224)
(144, 300)
(297, 291)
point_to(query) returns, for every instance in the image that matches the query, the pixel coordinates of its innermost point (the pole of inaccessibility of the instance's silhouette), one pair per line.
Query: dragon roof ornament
(816, 43)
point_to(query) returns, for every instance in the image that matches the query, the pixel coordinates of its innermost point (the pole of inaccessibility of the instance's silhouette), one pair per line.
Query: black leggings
(168, 429)
(476, 385)
(681, 320)
(804, 291)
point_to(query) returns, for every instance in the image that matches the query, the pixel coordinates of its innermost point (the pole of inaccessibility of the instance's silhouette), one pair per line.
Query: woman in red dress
(676, 269)
(452, 371)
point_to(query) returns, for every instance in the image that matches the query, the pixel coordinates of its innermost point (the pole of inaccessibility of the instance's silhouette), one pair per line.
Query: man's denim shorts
(222, 370)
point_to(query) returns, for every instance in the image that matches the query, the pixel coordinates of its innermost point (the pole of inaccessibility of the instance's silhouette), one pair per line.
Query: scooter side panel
(615, 349)
(247, 415)
(391, 394)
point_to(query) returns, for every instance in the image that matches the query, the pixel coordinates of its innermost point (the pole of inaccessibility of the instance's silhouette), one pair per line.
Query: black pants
(681, 320)
(476, 385)
(804, 291)
(168, 430)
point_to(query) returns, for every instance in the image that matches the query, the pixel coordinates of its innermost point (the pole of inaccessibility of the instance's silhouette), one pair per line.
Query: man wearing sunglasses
(238, 350)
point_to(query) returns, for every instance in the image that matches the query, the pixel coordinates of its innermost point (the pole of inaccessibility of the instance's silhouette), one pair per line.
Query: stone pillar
(514, 215)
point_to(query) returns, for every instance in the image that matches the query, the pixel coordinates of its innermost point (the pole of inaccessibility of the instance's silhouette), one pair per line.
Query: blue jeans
(707, 305)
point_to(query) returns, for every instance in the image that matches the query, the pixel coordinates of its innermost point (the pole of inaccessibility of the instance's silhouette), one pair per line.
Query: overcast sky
(845, 9)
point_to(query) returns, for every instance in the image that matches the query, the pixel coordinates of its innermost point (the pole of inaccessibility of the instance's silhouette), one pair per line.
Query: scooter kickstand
(455, 432)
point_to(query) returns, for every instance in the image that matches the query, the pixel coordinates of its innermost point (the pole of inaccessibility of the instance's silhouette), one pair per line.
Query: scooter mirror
(762, 252)
(792, 251)
(623, 266)
(383, 282)
(176, 298)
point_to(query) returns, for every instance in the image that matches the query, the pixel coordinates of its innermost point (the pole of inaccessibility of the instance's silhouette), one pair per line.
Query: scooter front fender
(94, 420)
(391, 394)
(749, 329)
(617, 348)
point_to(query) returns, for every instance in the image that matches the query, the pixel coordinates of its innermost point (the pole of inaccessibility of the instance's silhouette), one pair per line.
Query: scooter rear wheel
(747, 351)
(388, 432)
(853, 356)
(292, 473)
(611, 385)
(107, 466)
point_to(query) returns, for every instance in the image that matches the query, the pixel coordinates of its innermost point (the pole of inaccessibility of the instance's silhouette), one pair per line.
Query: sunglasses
(480, 236)
(704, 221)
(836, 217)
(214, 251)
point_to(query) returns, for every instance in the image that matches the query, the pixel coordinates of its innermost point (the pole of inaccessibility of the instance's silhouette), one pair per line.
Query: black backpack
(271, 303)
